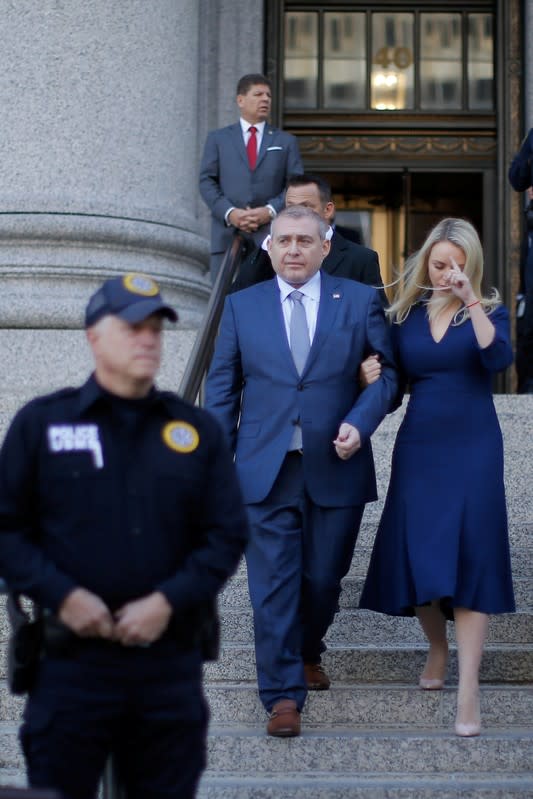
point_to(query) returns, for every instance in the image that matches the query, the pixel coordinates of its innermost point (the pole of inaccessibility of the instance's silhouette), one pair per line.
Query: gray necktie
(299, 332)
(300, 346)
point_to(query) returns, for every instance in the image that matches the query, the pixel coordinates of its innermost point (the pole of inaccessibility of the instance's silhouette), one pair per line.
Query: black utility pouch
(198, 629)
(58, 640)
(24, 646)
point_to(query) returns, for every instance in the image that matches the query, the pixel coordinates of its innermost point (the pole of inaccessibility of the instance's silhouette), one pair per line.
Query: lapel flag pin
(336, 296)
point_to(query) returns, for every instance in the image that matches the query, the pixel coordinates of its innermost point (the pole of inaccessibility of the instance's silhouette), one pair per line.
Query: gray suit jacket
(226, 180)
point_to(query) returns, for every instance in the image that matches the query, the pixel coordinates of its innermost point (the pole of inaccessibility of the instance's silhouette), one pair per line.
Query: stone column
(98, 173)
(105, 109)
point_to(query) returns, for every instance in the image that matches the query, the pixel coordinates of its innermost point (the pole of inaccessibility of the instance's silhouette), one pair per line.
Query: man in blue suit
(244, 170)
(299, 423)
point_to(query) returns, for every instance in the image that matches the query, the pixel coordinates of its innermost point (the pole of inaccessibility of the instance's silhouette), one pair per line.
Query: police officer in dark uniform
(121, 517)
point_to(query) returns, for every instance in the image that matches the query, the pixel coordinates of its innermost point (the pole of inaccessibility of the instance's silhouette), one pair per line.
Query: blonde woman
(442, 549)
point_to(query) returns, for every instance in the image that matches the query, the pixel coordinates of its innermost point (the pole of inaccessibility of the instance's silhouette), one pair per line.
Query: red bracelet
(473, 303)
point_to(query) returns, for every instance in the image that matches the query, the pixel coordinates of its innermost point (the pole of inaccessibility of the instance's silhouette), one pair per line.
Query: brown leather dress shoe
(284, 721)
(315, 677)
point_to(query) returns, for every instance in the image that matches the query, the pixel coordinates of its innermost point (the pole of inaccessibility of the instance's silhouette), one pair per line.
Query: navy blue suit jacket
(254, 389)
(226, 179)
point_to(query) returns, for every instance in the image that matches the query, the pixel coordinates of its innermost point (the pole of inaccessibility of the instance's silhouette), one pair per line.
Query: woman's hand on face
(460, 284)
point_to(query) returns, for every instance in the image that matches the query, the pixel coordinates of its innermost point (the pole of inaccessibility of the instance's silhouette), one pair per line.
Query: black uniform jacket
(121, 504)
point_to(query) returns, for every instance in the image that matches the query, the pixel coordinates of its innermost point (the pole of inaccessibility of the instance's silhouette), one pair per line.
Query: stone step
(367, 751)
(435, 772)
(379, 658)
(377, 706)
(10, 753)
(12, 778)
(348, 786)
(502, 663)
(235, 595)
(354, 664)
(367, 627)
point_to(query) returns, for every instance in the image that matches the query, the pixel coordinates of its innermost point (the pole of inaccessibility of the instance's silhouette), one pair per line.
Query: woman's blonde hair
(414, 285)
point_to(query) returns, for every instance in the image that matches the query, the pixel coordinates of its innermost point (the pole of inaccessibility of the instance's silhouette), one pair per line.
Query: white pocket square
(274, 148)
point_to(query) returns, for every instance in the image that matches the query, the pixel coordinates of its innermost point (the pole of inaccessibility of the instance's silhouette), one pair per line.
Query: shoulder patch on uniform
(180, 436)
(140, 284)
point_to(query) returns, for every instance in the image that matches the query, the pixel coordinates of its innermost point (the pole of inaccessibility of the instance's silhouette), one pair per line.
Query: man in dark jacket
(345, 258)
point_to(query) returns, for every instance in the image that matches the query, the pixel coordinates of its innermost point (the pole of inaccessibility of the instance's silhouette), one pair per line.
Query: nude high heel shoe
(427, 684)
(436, 662)
(468, 718)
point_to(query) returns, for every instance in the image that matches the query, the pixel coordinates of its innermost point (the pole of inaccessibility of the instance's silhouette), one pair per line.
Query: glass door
(392, 213)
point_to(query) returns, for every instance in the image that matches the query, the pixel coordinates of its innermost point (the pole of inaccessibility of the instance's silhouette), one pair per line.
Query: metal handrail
(201, 353)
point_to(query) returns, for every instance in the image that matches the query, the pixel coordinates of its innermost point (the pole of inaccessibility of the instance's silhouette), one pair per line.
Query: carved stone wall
(413, 149)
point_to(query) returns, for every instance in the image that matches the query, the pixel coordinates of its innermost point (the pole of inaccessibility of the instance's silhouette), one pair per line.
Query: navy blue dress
(443, 532)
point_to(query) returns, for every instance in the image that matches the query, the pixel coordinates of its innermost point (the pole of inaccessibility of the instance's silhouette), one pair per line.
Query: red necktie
(251, 147)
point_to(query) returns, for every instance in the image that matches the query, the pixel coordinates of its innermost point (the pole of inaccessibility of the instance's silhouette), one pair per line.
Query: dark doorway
(392, 212)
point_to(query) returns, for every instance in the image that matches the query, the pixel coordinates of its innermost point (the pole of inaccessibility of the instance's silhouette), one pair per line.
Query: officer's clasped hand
(138, 623)
(143, 621)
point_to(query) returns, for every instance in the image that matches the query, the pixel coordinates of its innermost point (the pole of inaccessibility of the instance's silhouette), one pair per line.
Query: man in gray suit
(244, 170)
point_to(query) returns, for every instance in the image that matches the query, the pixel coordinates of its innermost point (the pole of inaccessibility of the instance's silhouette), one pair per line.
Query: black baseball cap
(132, 297)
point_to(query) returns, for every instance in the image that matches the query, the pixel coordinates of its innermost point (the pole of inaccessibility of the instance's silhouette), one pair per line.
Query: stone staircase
(374, 734)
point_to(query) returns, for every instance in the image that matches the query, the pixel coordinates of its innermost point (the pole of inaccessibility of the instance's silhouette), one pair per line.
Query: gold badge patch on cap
(140, 284)
(181, 436)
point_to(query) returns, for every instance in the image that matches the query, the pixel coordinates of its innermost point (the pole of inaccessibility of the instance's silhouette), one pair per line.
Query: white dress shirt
(310, 301)
(259, 130)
